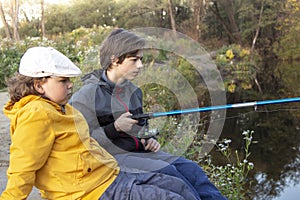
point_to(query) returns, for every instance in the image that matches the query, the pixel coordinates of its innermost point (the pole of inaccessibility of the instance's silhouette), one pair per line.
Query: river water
(275, 150)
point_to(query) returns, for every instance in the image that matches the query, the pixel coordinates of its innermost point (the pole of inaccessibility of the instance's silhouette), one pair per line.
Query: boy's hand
(124, 122)
(151, 144)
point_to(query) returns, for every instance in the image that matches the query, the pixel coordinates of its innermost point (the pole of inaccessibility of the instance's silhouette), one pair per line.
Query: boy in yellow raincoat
(50, 144)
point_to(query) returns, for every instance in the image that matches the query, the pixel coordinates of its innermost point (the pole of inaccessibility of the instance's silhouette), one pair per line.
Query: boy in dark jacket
(109, 98)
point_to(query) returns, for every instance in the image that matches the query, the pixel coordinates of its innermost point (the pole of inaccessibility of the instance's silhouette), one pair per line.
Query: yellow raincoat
(52, 150)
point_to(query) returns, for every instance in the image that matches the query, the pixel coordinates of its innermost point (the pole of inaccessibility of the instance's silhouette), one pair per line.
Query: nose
(140, 64)
(70, 84)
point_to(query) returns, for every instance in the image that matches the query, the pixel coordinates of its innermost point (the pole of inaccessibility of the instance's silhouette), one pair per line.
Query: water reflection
(275, 152)
(290, 193)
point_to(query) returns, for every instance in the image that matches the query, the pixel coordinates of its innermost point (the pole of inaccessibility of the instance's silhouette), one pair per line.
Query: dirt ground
(4, 149)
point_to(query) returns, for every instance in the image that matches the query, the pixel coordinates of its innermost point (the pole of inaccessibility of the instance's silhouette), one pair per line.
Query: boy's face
(131, 66)
(57, 89)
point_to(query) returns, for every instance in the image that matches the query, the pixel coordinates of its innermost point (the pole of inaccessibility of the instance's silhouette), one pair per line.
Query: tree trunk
(230, 26)
(197, 16)
(257, 30)
(254, 42)
(42, 19)
(173, 24)
(15, 18)
(216, 12)
(6, 27)
(234, 27)
(199, 13)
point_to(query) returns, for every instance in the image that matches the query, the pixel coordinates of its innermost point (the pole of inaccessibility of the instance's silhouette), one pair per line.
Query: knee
(170, 170)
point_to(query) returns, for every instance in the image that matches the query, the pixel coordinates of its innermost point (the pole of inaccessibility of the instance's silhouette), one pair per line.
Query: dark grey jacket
(101, 102)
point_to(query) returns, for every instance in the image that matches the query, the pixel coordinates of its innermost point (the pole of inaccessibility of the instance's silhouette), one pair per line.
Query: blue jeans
(195, 176)
(150, 186)
(190, 172)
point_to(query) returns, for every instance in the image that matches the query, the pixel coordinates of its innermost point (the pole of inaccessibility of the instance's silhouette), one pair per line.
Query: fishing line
(242, 115)
(254, 104)
(248, 113)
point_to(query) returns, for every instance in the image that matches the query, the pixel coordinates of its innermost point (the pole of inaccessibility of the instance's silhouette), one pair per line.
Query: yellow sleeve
(32, 139)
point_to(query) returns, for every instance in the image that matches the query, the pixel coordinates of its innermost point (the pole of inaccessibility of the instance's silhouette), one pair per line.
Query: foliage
(231, 178)
(31, 28)
(80, 45)
(177, 135)
(11, 53)
(58, 20)
(140, 10)
(174, 83)
(181, 137)
(78, 29)
(238, 19)
(89, 13)
(235, 67)
(9, 59)
(290, 78)
(288, 47)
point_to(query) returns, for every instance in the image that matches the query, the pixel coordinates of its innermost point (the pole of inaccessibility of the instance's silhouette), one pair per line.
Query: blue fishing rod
(212, 108)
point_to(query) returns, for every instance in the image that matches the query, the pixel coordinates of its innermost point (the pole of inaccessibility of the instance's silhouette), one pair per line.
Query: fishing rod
(212, 108)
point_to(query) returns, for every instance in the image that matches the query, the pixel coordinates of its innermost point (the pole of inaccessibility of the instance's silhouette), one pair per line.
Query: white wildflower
(227, 141)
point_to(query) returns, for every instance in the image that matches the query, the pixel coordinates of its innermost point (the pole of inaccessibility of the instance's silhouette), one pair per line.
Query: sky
(47, 2)
(56, 1)
(290, 193)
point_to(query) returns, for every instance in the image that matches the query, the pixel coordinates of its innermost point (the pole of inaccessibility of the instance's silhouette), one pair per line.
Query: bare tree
(42, 19)
(254, 42)
(228, 6)
(14, 9)
(199, 13)
(257, 29)
(173, 24)
(230, 25)
(6, 26)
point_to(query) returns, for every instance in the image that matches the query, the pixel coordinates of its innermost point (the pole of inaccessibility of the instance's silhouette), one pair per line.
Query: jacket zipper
(127, 110)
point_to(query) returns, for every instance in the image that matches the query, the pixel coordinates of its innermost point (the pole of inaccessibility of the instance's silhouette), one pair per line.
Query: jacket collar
(10, 108)
(100, 78)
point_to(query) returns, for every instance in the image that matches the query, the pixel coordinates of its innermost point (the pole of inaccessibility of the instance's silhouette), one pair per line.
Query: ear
(38, 86)
(114, 60)
(115, 63)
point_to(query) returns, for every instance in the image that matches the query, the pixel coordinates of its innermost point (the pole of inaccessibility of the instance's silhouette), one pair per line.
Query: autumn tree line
(262, 24)
(254, 43)
(266, 29)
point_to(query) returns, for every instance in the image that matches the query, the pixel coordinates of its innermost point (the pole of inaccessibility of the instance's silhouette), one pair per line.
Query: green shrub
(81, 46)
(9, 60)
(184, 138)
(231, 179)
(236, 68)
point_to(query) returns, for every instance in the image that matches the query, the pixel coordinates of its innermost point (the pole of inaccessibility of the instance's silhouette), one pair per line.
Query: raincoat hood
(11, 109)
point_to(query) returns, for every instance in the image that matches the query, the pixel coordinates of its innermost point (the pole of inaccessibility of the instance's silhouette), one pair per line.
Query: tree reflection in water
(275, 151)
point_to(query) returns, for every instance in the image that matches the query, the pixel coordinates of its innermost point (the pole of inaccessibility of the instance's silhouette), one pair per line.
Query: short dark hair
(118, 43)
(127, 55)
(20, 86)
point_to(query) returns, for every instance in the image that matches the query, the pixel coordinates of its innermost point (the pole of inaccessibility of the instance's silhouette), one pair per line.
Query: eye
(134, 59)
(65, 80)
(138, 58)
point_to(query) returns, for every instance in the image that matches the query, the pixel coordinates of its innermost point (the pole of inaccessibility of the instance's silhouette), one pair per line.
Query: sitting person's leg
(191, 172)
(172, 171)
(131, 162)
(150, 186)
(139, 163)
(197, 177)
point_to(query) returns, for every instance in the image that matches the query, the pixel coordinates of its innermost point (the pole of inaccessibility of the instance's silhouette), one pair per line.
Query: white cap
(47, 61)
